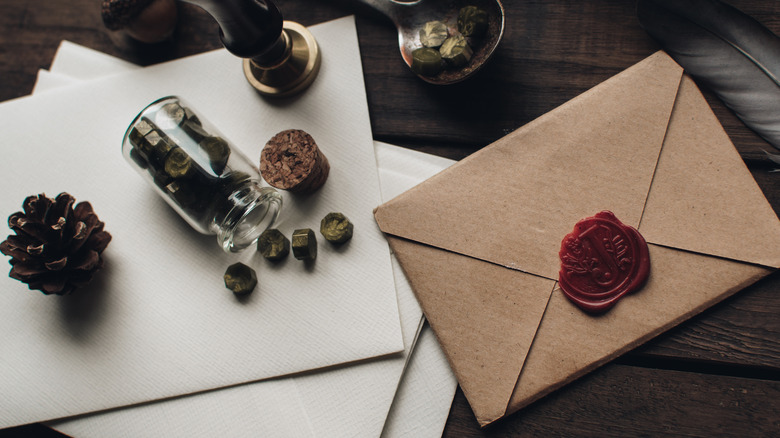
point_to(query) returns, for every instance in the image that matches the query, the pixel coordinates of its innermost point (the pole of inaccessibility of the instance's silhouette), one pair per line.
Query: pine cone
(56, 247)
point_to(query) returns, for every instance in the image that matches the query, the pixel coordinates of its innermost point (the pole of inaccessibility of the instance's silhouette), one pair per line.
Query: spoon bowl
(410, 17)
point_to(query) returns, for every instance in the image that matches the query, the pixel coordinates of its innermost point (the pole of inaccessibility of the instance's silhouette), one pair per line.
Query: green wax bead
(240, 278)
(190, 116)
(304, 244)
(156, 148)
(472, 21)
(178, 164)
(160, 178)
(218, 151)
(139, 131)
(138, 158)
(182, 193)
(144, 142)
(194, 130)
(273, 245)
(206, 194)
(426, 61)
(336, 228)
(433, 33)
(456, 51)
(169, 116)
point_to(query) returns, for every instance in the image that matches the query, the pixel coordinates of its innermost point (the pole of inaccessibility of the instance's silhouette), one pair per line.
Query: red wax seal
(602, 260)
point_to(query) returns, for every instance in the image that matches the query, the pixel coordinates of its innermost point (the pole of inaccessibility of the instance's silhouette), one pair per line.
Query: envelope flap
(484, 316)
(681, 284)
(512, 202)
(703, 197)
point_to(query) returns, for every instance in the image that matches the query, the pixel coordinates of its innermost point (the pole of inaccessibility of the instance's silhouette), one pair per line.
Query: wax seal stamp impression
(601, 261)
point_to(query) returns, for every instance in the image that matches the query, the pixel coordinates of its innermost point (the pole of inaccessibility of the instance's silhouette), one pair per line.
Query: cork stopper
(292, 161)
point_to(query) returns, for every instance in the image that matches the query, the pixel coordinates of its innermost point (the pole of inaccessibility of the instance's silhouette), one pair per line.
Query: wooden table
(717, 374)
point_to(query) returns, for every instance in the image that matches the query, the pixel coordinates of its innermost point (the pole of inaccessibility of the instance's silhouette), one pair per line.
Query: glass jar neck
(251, 210)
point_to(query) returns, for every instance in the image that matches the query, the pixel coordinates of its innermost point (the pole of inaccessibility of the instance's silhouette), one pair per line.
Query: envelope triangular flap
(570, 343)
(512, 202)
(484, 316)
(703, 197)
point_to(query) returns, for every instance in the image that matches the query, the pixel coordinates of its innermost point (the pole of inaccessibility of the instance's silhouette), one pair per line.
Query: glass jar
(209, 183)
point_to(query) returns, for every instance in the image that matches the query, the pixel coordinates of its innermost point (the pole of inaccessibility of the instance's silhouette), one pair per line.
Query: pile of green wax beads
(441, 49)
(187, 163)
(274, 246)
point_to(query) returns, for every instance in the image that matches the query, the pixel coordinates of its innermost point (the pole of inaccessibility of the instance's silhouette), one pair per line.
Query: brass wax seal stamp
(281, 58)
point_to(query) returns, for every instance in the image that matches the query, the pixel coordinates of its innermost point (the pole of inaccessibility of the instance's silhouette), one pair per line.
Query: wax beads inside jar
(199, 173)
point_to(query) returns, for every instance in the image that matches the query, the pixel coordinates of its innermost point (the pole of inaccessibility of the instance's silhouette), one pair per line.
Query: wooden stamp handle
(248, 28)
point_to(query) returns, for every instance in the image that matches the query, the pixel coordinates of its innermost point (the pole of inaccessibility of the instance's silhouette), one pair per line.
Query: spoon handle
(392, 9)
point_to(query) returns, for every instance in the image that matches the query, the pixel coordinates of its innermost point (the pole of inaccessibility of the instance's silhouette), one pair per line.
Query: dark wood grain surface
(715, 375)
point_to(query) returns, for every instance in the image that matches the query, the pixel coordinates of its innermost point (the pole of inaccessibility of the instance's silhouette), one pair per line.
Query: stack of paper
(157, 324)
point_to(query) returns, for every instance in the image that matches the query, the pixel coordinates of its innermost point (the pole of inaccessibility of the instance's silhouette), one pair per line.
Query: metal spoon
(410, 17)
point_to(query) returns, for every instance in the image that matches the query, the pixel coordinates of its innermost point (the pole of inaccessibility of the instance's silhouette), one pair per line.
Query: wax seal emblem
(601, 261)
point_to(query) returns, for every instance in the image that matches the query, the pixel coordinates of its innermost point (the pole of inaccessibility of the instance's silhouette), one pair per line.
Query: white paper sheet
(98, 65)
(277, 407)
(346, 401)
(157, 322)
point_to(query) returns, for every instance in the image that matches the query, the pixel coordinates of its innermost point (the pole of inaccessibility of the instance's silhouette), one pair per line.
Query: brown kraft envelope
(479, 242)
